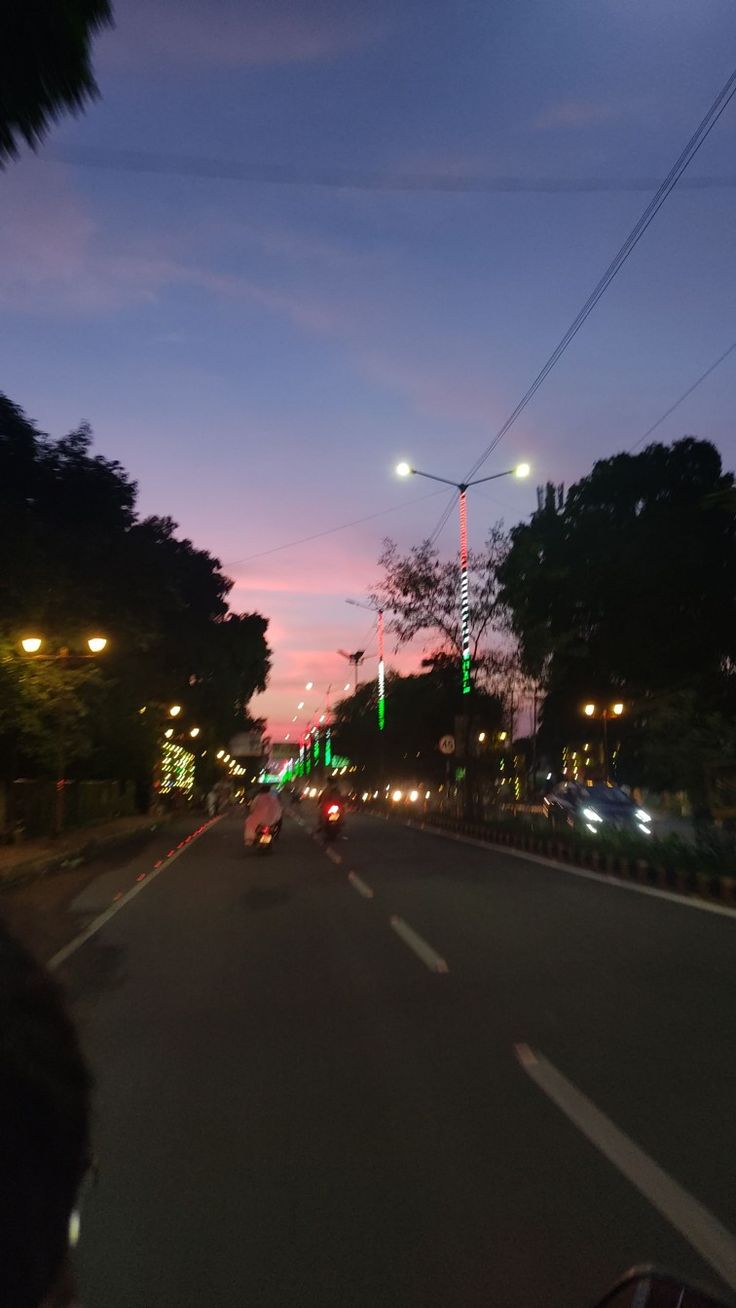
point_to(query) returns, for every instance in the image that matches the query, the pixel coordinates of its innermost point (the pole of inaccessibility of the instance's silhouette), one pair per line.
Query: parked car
(593, 808)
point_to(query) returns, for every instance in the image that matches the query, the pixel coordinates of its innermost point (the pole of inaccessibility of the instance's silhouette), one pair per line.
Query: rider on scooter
(265, 811)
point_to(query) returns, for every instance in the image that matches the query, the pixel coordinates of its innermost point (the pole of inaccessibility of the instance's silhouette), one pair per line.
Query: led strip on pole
(381, 676)
(464, 594)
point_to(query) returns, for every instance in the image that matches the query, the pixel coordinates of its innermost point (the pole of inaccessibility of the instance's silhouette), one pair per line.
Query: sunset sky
(259, 354)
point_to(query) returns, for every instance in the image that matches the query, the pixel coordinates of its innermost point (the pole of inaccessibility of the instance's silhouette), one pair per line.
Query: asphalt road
(316, 1088)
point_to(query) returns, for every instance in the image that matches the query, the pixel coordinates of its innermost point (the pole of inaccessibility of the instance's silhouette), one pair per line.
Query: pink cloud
(576, 114)
(434, 391)
(55, 260)
(236, 33)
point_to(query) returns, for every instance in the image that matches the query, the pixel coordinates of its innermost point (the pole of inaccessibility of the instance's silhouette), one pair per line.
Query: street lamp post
(462, 487)
(373, 608)
(611, 711)
(32, 648)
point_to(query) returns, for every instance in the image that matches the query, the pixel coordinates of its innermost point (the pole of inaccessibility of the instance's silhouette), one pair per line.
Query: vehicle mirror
(648, 1288)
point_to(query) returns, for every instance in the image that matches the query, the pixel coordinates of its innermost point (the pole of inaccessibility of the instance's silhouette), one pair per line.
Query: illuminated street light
(481, 736)
(220, 753)
(32, 645)
(300, 705)
(194, 732)
(346, 686)
(309, 685)
(405, 469)
(175, 710)
(615, 710)
(169, 733)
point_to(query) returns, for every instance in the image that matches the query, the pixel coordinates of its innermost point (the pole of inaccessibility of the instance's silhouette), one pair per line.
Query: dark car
(593, 808)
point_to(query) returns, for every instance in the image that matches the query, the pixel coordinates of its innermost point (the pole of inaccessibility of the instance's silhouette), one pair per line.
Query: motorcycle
(647, 1287)
(331, 820)
(265, 837)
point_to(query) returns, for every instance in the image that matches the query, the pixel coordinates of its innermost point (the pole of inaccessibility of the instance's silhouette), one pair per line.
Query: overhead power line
(693, 387)
(697, 139)
(684, 396)
(268, 174)
(330, 531)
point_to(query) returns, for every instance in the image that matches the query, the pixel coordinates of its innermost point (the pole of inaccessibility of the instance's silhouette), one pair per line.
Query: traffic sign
(447, 745)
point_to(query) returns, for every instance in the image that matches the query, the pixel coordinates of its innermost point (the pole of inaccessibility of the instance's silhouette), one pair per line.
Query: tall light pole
(373, 608)
(462, 487)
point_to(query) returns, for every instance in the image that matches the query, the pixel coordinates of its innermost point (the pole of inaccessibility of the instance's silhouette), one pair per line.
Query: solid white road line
(97, 923)
(699, 1227)
(361, 886)
(616, 883)
(420, 947)
(333, 854)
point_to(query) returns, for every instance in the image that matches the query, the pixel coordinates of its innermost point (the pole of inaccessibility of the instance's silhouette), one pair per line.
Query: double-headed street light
(32, 645)
(607, 711)
(521, 470)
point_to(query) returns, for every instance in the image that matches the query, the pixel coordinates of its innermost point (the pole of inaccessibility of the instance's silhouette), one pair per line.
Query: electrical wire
(683, 397)
(330, 531)
(444, 519)
(267, 174)
(685, 157)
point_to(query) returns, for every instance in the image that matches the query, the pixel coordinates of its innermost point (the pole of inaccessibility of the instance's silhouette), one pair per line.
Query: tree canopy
(79, 561)
(627, 589)
(419, 593)
(45, 65)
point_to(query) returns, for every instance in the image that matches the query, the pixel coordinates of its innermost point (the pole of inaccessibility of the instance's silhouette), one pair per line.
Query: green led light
(466, 674)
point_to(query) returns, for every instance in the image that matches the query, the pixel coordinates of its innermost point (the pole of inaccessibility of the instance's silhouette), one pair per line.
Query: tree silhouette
(45, 67)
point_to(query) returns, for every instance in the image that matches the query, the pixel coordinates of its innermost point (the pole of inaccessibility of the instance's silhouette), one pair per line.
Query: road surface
(404, 1071)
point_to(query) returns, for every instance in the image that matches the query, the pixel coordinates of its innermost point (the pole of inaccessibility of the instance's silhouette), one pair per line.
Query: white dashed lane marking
(361, 886)
(418, 946)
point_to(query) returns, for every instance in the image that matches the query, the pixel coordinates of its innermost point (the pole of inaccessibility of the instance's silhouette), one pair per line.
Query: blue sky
(260, 355)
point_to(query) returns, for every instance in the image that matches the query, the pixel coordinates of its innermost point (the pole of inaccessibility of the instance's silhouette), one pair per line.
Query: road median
(665, 865)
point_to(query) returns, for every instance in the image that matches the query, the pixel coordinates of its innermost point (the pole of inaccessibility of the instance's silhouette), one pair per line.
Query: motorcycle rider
(265, 811)
(330, 795)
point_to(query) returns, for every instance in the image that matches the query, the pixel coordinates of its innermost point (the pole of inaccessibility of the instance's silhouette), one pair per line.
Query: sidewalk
(32, 858)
